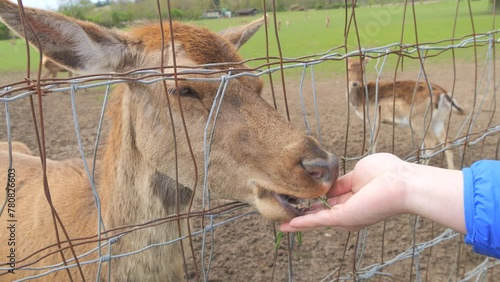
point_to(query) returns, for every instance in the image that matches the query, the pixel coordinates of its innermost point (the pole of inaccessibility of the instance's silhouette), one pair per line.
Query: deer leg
(47, 74)
(428, 140)
(375, 139)
(373, 126)
(428, 144)
(449, 159)
(438, 130)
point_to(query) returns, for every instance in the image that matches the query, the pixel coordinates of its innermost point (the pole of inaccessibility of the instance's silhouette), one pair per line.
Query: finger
(316, 207)
(332, 219)
(341, 186)
(313, 221)
(330, 202)
(285, 227)
(320, 205)
(339, 199)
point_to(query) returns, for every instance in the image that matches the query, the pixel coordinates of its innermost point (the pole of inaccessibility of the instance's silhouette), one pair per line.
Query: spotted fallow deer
(52, 68)
(406, 101)
(256, 157)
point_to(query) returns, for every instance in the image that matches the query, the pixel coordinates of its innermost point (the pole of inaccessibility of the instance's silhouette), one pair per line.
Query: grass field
(377, 26)
(308, 35)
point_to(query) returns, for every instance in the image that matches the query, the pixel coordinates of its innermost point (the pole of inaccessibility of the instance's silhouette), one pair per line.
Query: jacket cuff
(482, 207)
(468, 205)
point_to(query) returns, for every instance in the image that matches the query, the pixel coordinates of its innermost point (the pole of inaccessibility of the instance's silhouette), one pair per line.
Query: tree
(4, 31)
(102, 3)
(495, 5)
(77, 8)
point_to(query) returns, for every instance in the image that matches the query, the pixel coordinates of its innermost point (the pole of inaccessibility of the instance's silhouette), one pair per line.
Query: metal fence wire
(65, 118)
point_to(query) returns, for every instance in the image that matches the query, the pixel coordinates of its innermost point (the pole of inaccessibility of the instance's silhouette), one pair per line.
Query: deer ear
(80, 46)
(240, 35)
(366, 60)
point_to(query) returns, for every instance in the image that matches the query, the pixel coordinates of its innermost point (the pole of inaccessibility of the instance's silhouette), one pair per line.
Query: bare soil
(244, 249)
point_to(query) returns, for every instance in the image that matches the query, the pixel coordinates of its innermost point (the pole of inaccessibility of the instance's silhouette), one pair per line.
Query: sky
(43, 4)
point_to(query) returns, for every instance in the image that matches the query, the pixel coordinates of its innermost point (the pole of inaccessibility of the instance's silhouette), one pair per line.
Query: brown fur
(255, 153)
(17, 147)
(400, 90)
(398, 99)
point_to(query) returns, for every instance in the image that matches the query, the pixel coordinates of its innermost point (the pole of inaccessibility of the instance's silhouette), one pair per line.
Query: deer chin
(277, 206)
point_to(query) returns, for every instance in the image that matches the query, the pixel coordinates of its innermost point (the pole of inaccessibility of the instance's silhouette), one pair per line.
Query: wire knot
(113, 240)
(209, 228)
(105, 258)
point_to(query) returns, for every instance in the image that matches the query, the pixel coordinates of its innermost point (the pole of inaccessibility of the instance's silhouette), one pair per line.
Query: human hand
(373, 191)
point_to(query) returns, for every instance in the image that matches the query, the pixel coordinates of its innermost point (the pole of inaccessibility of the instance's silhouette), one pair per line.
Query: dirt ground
(244, 249)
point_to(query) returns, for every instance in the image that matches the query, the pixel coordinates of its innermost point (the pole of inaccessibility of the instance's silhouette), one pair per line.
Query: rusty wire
(268, 65)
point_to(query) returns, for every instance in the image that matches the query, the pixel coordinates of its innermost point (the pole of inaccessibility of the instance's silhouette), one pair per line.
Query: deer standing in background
(52, 68)
(403, 103)
(256, 156)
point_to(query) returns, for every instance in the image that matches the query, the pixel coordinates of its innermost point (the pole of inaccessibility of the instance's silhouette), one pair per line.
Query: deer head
(355, 69)
(256, 155)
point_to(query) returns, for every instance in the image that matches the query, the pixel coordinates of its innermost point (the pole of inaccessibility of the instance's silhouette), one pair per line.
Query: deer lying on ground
(411, 100)
(257, 156)
(52, 68)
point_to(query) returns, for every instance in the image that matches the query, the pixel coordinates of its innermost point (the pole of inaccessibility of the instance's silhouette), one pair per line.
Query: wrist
(436, 194)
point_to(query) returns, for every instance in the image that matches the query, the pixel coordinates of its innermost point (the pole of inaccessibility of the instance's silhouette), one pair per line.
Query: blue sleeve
(482, 207)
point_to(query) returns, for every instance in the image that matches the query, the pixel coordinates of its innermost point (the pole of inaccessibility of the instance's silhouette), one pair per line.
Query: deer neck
(357, 96)
(134, 192)
(129, 180)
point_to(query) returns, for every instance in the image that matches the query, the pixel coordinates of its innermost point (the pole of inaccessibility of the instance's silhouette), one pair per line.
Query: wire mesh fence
(219, 240)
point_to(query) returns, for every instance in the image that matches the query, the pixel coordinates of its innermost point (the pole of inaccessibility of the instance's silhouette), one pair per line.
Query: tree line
(118, 13)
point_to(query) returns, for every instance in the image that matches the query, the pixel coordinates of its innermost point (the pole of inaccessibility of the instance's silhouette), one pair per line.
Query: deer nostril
(315, 171)
(325, 170)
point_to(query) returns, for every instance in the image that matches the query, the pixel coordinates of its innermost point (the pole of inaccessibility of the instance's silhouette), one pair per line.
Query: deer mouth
(282, 203)
(291, 204)
(278, 206)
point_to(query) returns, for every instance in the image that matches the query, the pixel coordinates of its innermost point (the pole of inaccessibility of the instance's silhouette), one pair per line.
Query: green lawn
(13, 56)
(377, 26)
(308, 35)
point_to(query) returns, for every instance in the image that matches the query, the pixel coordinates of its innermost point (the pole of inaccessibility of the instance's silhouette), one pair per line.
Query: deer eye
(184, 91)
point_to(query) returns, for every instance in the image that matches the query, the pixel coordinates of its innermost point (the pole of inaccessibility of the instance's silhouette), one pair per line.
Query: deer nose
(354, 84)
(323, 170)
